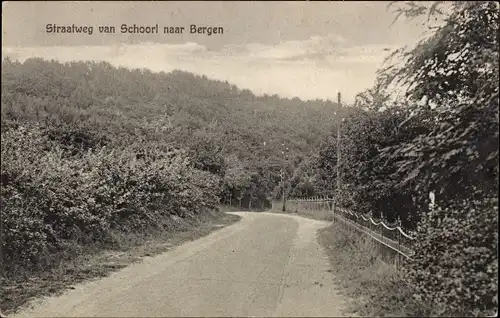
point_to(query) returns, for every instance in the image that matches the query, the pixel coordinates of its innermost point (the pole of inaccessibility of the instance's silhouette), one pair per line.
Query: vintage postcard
(249, 159)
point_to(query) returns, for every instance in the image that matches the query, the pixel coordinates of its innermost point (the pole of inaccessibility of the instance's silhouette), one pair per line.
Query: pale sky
(305, 49)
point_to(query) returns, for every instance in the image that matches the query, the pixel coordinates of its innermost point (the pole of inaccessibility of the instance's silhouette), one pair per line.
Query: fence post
(398, 261)
(351, 219)
(381, 234)
(330, 206)
(333, 210)
(334, 203)
(354, 222)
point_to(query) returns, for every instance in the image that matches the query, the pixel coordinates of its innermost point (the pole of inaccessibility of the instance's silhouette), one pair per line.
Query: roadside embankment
(94, 263)
(376, 288)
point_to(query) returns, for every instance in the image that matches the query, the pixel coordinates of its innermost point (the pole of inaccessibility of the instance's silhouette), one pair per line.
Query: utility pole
(283, 177)
(283, 187)
(338, 144)
(337, 190)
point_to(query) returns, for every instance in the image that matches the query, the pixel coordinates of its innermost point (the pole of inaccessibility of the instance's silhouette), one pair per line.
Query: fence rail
(392, 240)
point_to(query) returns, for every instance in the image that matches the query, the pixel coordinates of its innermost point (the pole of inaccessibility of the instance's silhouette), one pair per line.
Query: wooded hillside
(87, 147)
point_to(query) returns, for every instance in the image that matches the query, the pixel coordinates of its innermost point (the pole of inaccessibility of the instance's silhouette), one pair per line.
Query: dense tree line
(88, 149)
(221, 126)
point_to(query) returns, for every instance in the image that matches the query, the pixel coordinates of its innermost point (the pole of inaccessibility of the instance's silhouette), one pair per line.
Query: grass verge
(94, 263)
(375, 288)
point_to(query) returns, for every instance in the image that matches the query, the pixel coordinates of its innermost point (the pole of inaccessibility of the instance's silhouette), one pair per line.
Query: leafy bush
(455, 263)
(49, 199)
(368, 181)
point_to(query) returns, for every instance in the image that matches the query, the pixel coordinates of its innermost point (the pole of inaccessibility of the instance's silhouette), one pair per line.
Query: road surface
(264, 265)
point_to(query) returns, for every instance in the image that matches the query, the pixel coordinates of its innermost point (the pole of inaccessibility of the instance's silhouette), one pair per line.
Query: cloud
(313, 47)
(317, 67)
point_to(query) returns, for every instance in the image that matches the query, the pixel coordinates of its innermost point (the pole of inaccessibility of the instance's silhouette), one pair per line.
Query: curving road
(265, 265)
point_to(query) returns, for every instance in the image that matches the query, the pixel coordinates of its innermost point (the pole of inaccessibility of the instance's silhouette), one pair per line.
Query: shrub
(49, 199)
(455, 265)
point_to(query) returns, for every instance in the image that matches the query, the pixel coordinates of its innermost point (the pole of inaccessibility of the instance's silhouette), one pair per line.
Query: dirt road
(265, 265)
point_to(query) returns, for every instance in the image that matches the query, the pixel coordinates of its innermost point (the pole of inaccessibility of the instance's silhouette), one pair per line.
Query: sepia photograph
(249, 159)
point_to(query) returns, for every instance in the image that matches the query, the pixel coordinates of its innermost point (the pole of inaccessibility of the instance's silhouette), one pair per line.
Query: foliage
(368, 184)
(374, 98)
(442, 138)
(89, 149)
(456, 70)
(303, 181)
(455, 266)
(456, 61)
(49, 198)
(212, 120)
